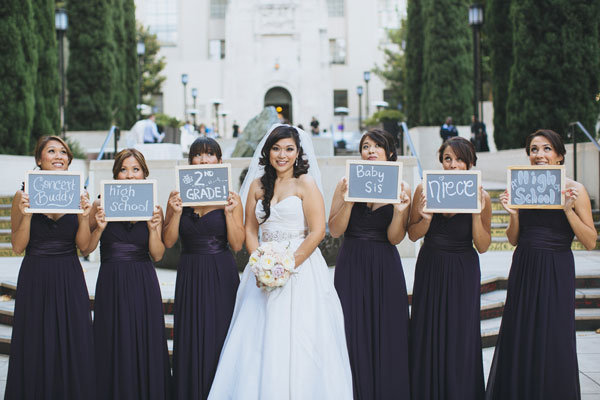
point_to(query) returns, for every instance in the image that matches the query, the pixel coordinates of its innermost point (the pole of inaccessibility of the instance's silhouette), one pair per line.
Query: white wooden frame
(563, 178)
(204, 166)
(128, 182)
(54, 210)
(476, 210)
(397, 164)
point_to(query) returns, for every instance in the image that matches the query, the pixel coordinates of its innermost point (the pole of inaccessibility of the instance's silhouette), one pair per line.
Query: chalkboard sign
(536, 186)
(204, 184)
(128, 200)
(373, 181)
(54, 191)
(451, 191)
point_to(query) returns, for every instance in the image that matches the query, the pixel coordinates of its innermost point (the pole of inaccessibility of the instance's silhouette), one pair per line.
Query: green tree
(393, 71)
(46, 117)
(91, 65)
(129, 115)
(498, 31)
(447, 62)
(414, 62)
(18, 66)
(554, 74)
(151, 65)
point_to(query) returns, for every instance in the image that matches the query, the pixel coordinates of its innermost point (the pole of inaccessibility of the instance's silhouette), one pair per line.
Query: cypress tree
(554, 75)
(414, 62)
(17, 68)
(91, 65)
(447, 62)
(47, 115)
(130, 63)
(118, 92)
(498, 30)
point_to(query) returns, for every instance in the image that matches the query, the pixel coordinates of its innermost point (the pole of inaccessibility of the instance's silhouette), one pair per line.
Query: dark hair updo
(384, 139)
(268, 179)
(554, 138)
(204, 145)
(462, 148)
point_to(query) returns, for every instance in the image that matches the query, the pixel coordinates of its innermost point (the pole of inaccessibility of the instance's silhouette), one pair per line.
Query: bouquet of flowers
(272, 264)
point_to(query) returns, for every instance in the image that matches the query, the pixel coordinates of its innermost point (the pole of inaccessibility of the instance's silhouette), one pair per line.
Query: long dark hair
(462, 148)
(204, 145)
(384, 139)
(268, 179)
(554, 139)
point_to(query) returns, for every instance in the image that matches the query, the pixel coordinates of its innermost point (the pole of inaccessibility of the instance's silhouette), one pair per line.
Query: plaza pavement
(493, 264)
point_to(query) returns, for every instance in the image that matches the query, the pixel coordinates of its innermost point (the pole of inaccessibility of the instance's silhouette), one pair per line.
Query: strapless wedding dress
(288, 343)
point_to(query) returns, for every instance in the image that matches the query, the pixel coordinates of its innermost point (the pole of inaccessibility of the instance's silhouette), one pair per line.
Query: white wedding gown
(288, 343)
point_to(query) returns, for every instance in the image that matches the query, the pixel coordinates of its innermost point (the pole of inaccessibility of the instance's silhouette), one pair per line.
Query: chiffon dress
(288, 343)
(207, 281)
(132, 360)
(536, 356)
(445, 334)
(51, 350)
(370, 283)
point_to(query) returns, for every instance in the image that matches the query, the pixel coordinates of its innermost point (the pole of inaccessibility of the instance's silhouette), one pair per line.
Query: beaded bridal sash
(282, 236)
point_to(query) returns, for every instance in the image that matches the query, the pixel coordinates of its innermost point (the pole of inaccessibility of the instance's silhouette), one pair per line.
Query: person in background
(479, 135)
(236, 129)
(314, 126)
(448, 130)
(151, 134)
(52, 349)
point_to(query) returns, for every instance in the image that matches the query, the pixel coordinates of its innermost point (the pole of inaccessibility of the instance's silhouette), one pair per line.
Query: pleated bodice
(545, 229)
(124, 241)
(203, 235)
(367, 224)
(52, 238)
(451, 234)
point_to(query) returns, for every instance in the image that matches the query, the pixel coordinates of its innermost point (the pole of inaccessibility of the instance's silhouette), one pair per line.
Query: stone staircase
(493, 290)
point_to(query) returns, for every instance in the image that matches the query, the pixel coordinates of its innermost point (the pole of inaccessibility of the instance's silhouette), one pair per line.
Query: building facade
(305, 56)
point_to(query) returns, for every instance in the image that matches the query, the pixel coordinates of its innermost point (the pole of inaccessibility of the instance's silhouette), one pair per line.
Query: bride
(288, 343)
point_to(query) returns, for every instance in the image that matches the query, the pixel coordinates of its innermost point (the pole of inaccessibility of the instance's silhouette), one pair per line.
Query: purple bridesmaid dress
(51, 351)
(207, 282)
(132, 360)
(371, 286)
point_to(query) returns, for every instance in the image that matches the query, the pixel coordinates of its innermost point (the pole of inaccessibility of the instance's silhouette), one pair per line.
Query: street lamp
(367, 78)
(184, 80)
(61, 23)
(224, 114)
(359, 92)
(216, 103)
(141, 50)
(476, 21)
(194, 95)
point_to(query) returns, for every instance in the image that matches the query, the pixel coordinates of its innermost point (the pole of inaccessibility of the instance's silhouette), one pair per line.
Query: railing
(411, 146)
(573, 136)
(113, 132)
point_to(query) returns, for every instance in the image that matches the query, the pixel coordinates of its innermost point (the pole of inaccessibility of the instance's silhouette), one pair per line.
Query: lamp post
(359, 92)
(184, 80)
(216, 103)
(194, 95)
(476, 21)
(224, 114)
(141, 50)
(367, 78)
(61, 23)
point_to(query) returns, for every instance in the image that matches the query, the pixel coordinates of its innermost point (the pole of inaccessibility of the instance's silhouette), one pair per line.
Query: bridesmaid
(132, 360)
(370, 282)
(51, 352)
(207, 279)
(446, 361)
(535, 355)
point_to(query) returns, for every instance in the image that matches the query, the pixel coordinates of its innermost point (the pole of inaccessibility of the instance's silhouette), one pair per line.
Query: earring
(296, 163)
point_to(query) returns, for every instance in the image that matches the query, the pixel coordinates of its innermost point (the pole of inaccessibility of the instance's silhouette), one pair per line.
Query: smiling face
(283, 154)
(372, 151)
(130, 169)
(541, 152)
(451, 162)
(54, 157)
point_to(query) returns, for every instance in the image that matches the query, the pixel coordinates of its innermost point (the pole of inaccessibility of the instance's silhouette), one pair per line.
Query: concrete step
(5, 235)
(6, 199)
(5, 209)
(5, 222)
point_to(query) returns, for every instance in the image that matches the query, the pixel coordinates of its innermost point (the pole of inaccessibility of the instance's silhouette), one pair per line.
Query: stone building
(305, 56)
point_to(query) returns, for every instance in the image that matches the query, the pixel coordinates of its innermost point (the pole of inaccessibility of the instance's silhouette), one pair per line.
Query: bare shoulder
(571, 184)
(307, 181)
(256, 189)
